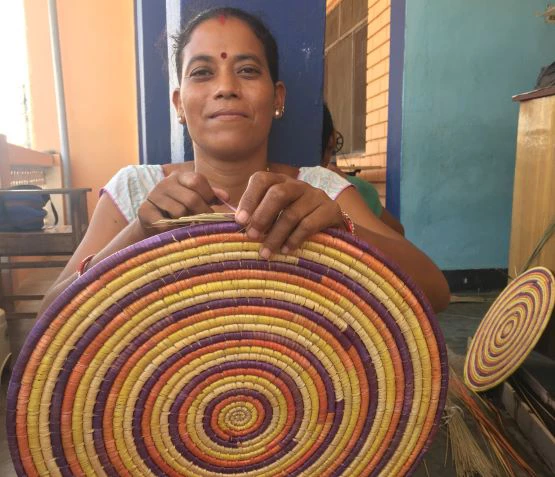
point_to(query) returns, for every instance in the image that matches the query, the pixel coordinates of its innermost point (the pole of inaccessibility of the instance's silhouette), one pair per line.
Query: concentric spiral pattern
(188, 355)
(510, 330)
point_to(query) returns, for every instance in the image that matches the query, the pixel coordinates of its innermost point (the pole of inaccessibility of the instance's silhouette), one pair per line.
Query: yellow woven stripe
(277, 327)
(533, 290)
(143, 318)
(74, 328)
(157, 355)
(306, 386)
(160, 272)
(47, 372)
(409, 325)
(237, 416)
(206, 445)
(256, 446)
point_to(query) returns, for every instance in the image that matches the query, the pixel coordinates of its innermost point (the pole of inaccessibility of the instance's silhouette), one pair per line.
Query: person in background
(365, 189)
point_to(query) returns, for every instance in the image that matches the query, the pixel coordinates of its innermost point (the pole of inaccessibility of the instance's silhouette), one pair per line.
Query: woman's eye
(200, 73)
(249, 71)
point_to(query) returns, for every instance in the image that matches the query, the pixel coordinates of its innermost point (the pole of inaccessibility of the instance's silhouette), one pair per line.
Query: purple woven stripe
(518, 347)
(284, 446)
(434, 324)
(115, 309)
(116, 366)
(399, 338)
(234, 441)
(247, 335)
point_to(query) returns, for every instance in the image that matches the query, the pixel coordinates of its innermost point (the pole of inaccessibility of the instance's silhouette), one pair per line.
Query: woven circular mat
(510, 330)
(188, 355)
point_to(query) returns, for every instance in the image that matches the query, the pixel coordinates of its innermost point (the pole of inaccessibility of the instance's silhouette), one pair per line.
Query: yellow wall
(377, 77)
(98, 57)
(373, 161)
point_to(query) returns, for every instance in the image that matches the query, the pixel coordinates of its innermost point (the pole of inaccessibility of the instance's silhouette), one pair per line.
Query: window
(14, 106)
(345, 71)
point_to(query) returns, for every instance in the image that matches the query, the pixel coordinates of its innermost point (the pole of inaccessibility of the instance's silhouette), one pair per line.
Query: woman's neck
(232, 175)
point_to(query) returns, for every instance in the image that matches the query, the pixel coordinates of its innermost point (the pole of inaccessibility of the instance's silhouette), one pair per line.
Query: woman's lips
(228, 114)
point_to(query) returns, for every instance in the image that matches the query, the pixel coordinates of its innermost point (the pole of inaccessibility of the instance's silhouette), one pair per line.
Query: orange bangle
(82, 268)
(348, 223)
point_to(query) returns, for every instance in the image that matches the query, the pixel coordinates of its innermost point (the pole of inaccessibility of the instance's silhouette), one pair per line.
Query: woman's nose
(228, 86)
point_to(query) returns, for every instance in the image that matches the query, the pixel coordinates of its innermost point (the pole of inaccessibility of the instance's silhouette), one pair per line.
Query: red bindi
(222, 19)
(224, 55)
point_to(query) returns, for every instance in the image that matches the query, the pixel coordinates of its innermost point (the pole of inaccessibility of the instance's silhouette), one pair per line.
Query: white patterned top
(130, 186)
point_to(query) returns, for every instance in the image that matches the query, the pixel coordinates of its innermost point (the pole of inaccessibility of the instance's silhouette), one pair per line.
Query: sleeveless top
(130, 186)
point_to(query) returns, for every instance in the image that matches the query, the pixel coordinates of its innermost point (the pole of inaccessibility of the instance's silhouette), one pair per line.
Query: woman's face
(227, 96)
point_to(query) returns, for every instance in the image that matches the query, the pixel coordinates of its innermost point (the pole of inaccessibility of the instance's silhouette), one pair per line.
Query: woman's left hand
(284, 212)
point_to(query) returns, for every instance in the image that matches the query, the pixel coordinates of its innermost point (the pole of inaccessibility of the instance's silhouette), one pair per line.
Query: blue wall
(299, 29)
(463, 62)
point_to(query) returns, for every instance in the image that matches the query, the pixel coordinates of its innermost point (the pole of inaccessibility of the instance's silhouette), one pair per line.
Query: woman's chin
(230, 145)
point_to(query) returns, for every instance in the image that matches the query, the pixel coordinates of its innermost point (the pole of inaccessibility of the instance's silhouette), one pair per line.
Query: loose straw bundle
(469, 458)
(481, 411)
(189, 355)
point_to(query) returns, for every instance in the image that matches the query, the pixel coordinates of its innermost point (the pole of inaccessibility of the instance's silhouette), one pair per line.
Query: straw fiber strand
(510, 330)
(188, 355)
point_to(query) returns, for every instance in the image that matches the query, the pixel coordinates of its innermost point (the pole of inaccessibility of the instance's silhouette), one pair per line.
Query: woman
(229, 94)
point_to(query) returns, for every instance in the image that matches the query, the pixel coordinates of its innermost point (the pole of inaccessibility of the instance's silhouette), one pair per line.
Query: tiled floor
(459, 322)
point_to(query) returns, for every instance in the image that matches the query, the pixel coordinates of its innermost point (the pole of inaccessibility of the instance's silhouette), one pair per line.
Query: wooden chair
(50, 247)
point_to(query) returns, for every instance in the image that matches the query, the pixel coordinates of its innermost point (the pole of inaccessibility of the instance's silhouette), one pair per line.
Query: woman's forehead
(232, 36)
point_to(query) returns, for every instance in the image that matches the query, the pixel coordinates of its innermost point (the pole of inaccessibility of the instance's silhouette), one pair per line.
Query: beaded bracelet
(82, 268)
(348, 222)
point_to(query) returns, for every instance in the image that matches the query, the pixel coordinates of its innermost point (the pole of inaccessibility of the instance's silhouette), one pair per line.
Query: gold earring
(181, 119)
(278, 113)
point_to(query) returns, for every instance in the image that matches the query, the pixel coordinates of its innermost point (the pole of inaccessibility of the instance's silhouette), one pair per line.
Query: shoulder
(129, 187)
(143, 172)
(320, 177)
(369, 193)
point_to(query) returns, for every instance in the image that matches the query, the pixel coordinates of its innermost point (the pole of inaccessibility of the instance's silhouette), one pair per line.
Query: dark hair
(327, 128)
(256, 25)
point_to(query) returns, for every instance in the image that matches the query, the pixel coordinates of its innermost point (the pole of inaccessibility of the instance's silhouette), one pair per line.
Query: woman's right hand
(180, 194)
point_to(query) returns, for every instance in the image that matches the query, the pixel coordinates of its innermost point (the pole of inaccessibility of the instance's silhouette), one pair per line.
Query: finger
(149, 215)
(279, 197)
(324, 216)
(181, 200)
(289, 221)
(197, 183)
(279, 201)
(191, 201)
(220, 194)
(256, 189)
(167, 207)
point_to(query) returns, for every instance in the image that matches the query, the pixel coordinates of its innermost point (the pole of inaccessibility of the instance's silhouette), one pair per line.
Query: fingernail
(242, 217)
(285, 250)
(253, 234)
(265, 253)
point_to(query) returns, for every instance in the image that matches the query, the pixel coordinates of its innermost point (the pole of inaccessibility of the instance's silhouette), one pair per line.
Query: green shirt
(368, 193)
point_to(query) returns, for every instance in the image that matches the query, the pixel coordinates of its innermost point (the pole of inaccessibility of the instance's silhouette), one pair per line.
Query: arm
(413, 261)
(389, 219)
(107, 233)
(372, 199)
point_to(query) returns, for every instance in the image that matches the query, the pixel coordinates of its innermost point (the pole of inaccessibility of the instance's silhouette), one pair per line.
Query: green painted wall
(464, 60)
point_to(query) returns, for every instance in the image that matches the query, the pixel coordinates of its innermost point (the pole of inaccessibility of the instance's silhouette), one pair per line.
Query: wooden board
(534, 186)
